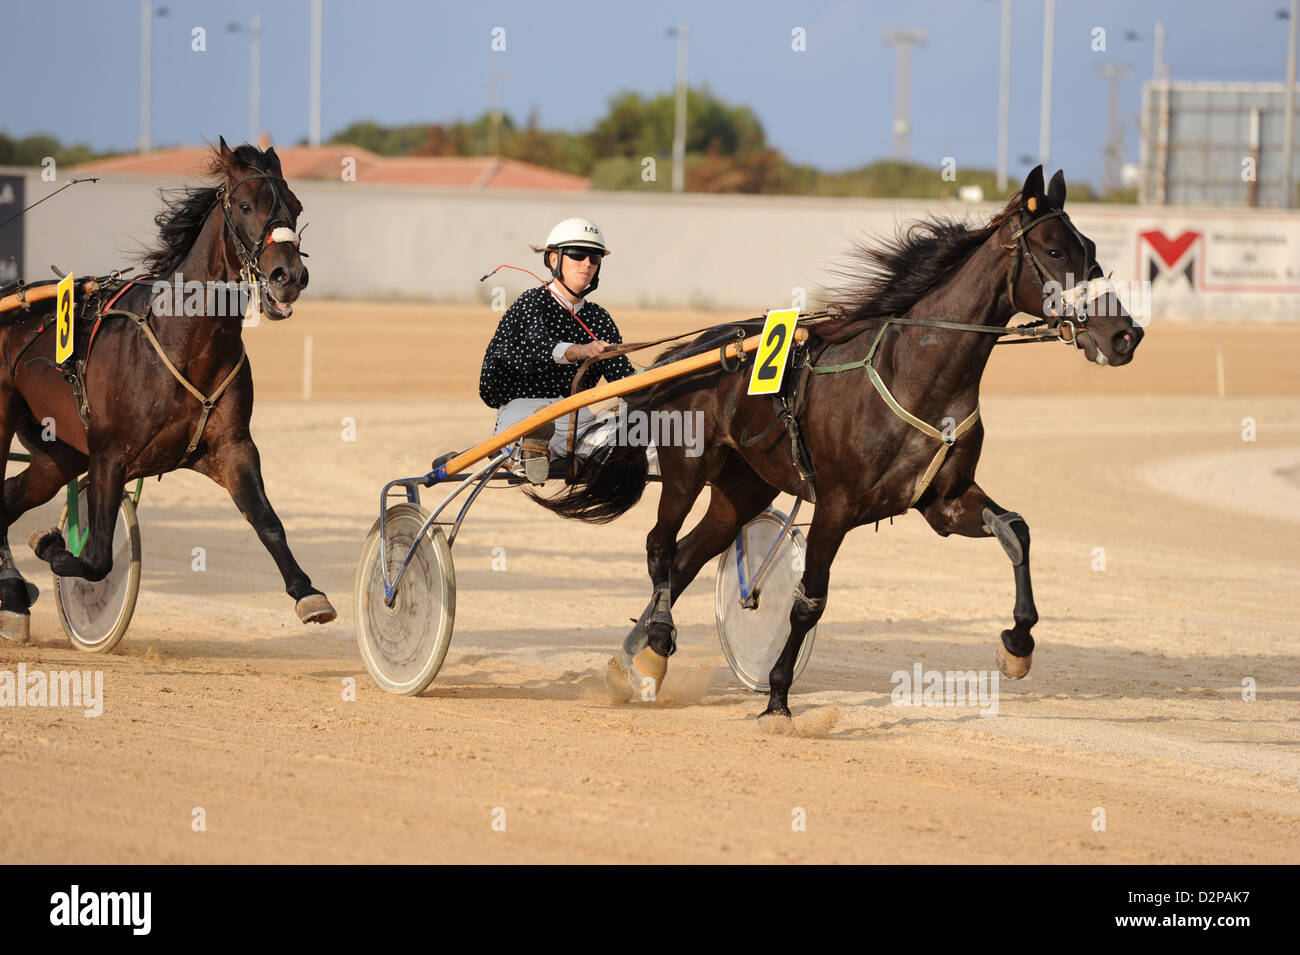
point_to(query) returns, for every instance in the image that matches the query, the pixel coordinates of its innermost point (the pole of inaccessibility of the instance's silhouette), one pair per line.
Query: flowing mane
(899, 272)
(186, 209)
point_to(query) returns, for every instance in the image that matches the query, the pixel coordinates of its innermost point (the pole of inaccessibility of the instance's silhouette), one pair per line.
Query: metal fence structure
(1215, 144)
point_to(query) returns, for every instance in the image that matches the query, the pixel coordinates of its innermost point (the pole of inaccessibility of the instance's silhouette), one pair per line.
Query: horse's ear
(1056, 190)
(223, 149)
(274, 160)
(1033, 188)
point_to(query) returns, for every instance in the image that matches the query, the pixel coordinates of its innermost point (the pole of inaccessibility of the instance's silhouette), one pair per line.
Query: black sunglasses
(581, 255)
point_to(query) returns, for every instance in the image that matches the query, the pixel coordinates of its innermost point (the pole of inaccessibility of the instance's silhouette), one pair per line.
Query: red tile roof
(326, 162)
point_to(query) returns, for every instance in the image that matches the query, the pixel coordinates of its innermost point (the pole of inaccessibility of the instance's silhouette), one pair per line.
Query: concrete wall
(730, 252)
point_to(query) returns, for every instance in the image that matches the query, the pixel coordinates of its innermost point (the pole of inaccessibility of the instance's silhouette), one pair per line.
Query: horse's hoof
(647, 675)
(16, 627)
(43, 540)
(315, 608)
(33, 593)
(1012, 666)
(776, 711)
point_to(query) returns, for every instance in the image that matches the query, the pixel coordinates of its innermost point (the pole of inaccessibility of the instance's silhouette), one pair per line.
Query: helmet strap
(559, 275)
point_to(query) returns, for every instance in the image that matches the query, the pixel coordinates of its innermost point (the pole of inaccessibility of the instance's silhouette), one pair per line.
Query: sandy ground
(218, 699)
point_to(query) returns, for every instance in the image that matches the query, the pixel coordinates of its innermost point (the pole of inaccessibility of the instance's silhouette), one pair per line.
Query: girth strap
(207, 402)
(925, 428)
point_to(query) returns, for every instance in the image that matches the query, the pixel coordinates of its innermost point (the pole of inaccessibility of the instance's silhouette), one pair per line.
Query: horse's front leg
(106, 479)
(975, 514)
(829, 525)
(236, 466)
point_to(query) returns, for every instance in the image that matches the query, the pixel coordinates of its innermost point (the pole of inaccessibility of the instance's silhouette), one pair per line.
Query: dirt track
(219, 699)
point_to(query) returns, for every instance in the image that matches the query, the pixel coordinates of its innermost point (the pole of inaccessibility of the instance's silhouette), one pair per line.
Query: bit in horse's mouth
(274, 310)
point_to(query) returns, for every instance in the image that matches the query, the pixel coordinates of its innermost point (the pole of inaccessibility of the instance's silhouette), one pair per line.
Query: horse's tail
(608, 483)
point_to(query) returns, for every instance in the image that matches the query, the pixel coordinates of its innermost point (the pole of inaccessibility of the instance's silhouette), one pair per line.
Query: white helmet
(579, 232)
(574, 233)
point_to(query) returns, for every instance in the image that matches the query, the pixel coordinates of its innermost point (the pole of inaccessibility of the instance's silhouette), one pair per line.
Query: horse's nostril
(302, 280)
(279, 276)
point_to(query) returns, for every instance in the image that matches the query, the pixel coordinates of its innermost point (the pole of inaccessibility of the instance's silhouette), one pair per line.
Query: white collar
(564, 299)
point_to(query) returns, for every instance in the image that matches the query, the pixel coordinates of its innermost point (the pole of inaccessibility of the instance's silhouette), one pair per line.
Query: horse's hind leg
(647, 667)
(15, 601)
(736, 497)
(104, 494)
(52, 465)
(974, 514)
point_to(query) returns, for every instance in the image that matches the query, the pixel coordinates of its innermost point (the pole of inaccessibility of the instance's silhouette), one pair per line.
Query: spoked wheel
(753, 638)
(96, 613)
(404, 645)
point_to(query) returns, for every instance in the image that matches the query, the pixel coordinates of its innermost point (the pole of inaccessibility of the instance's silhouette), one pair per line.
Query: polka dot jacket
(520, 360)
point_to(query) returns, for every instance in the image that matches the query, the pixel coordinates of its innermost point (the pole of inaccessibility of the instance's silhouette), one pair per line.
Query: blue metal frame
(747, 589)
(412, 486)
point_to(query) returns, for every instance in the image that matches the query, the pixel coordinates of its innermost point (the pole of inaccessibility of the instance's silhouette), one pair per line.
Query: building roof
(326, 162)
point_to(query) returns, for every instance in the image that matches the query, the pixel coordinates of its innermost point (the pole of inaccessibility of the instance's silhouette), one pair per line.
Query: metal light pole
(904, 40)
(1288, 122)
(1155, 127)
(1114, 152)
(255, 80)
(494, 128)
(1004, 99)
(1158, 68)
(682, 32)
(254, 76)
(1045, 109)
(313, 124)
(146, 77)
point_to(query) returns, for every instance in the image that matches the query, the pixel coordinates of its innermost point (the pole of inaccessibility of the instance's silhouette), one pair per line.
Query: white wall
(732, 252)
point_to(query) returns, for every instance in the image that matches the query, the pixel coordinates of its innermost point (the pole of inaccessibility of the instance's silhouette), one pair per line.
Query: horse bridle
(1078, 322)
(270, 233)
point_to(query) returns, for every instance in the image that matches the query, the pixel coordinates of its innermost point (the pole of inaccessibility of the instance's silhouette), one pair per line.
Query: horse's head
(261, 222)
(1054, 274)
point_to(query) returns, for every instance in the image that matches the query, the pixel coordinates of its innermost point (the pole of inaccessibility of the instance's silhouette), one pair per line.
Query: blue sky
(71, 67)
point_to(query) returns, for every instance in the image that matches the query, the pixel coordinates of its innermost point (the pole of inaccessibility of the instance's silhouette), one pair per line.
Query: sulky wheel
(403, 646)
(95, 614)
(752, 638)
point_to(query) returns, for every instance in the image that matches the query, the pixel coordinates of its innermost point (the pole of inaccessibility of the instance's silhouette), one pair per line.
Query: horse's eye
(245, 208)
(1054, 253)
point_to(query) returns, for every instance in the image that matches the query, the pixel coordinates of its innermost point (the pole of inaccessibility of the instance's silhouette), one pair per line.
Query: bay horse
(879, 378)
(164, 387)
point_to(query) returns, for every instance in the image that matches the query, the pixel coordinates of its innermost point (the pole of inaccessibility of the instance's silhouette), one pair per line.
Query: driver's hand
(583, 352)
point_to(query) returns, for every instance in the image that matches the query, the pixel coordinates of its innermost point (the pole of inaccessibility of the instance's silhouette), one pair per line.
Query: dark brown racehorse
(147, 361)
(865, 459)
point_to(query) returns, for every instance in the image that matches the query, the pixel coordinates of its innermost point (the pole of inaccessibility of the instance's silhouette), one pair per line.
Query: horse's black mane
(896, 274)
(187, 208)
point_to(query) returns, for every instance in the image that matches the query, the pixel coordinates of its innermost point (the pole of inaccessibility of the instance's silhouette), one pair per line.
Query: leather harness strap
(142, 321)
(207, 402)
(946, 441)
